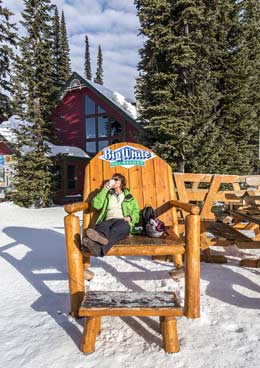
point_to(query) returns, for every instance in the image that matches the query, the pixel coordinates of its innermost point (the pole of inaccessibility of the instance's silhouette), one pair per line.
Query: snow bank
(37, 330)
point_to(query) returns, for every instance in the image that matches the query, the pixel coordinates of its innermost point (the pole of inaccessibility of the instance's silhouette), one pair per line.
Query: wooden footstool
(119, 303)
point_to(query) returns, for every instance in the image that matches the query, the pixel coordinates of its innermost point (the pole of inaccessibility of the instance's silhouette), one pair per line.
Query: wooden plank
(144, 250)
(129, 299)
(253, 244)
(201, 178)
(180, 185)
(226, 231)
(197, 195)
(119, 169)
(178, 312)
(247, 215)
(206, 210)
(164, 191)
(172, 194)
(135, 185)
(148, 183)
(86, 214)
(181, 190)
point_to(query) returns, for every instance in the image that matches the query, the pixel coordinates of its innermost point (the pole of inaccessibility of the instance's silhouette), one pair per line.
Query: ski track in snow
(37, 331)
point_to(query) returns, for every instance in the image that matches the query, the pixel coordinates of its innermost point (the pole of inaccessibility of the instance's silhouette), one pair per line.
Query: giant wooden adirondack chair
(150, 181)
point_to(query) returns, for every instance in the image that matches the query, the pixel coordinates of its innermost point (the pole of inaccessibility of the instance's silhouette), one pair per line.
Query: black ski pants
(114, 230)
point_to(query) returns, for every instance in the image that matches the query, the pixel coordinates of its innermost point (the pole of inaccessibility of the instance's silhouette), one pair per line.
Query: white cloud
(113, 24)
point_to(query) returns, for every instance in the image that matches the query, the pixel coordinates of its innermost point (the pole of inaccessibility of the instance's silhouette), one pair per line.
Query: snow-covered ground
(37, 331)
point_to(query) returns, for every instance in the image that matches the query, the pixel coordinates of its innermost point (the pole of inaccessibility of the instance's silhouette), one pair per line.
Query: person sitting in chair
(119, 214)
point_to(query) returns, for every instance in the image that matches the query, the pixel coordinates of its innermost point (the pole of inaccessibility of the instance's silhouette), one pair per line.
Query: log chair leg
(170, 334)
(99, 326)
(192, 267)
(90, 332)
(178, 261)
(75, 263)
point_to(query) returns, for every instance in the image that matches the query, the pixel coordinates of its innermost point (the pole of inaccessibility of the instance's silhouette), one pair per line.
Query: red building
(89, 116)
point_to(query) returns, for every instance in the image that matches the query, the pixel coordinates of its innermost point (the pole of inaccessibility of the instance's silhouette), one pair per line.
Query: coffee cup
(111, 183)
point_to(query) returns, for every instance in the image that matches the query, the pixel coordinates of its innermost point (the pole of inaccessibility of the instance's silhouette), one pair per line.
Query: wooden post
(75, 263)
(170, 334)
(99, 326)
(192, 267)
(89, 335)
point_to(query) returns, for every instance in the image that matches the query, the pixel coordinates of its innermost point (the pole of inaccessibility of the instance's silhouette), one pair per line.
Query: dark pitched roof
(103, 93)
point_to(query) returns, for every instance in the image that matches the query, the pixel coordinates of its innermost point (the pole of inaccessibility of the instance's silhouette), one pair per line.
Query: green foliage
(34, 188)
(65, 69)
(56, 55)
(88, 73)
(35, 94)
(199, 81)
(7, 40)
(99, 73)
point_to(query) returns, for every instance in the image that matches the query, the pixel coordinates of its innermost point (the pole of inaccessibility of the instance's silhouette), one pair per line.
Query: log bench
(150, 181)
(97, 304)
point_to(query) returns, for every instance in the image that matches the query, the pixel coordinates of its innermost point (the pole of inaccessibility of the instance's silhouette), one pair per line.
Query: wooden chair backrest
(208, 189)
(150, 181)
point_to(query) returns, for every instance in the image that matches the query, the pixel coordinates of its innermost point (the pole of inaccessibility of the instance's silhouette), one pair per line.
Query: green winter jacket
(129, 206)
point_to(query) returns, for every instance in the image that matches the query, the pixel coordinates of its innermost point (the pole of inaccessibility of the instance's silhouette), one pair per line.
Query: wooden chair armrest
(191, 208)
(76, 207)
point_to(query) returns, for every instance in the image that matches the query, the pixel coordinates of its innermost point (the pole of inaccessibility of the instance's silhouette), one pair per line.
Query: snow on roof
(117, 98)
(6, 130)
(66, 150)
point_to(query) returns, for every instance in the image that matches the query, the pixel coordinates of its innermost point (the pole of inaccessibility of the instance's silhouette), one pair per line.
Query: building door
(72, 179)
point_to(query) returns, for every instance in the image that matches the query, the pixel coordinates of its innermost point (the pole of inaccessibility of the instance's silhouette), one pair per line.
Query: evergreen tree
(199, 81)
(7, 40)
(65, 69)
(176, 90)
(99, 73)
(88, 73)
(234, 71)
(56, 43)
(56, 55)
(34, 73)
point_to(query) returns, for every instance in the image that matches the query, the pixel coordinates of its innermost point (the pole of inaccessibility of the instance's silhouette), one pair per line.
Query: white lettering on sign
(126, 156)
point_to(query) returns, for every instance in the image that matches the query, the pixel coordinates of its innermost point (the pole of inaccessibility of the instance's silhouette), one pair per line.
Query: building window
(100, 110)
(91, 127)
(103, 126)
(116, 127)
(101, 129)
(91, 147)
(102, 144)
(89, 106)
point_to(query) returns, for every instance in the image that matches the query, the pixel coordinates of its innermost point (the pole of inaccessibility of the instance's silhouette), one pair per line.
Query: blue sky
(111, 23)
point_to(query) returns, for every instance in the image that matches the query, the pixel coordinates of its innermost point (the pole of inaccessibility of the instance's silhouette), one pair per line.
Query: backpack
(153, 227)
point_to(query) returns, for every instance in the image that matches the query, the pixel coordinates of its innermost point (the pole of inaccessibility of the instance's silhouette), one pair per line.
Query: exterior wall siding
(4, 149)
